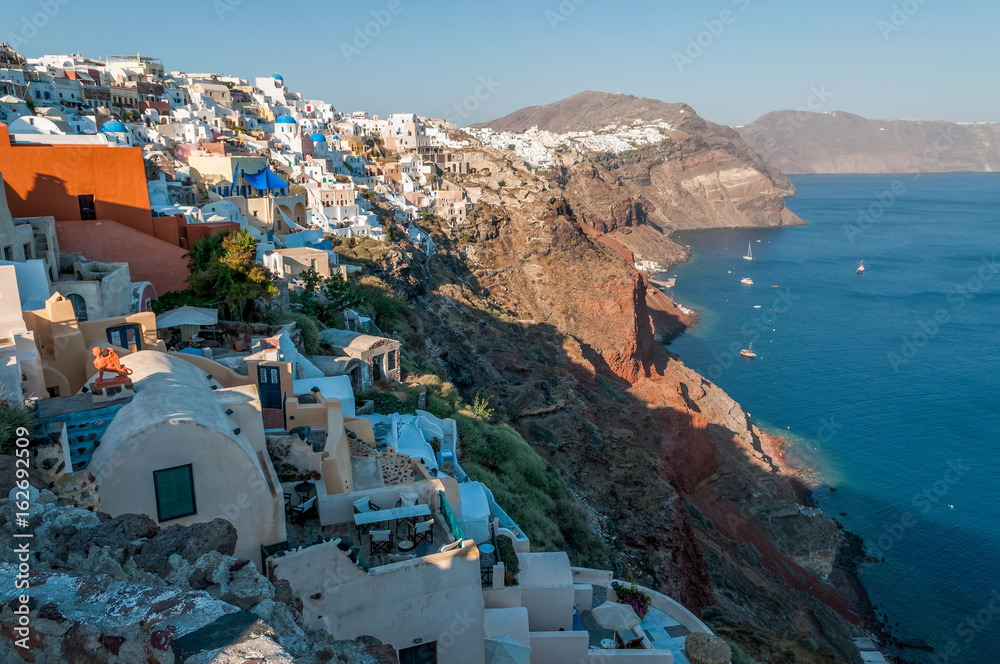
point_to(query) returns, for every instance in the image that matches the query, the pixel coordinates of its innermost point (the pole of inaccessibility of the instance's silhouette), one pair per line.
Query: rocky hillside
(838, 142)
(536, 304)
(121, 591)
(703, 176)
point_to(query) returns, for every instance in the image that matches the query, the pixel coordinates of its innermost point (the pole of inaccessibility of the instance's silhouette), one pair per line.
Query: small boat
(749, 256)
(774, 286)
(748, 352)
(756, 306)
(747, 281)
(861, 267)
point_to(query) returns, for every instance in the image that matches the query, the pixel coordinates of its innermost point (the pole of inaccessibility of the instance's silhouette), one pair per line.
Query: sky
(732, 60)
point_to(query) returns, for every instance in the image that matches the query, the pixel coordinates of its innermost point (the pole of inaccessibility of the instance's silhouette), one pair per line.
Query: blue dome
(336, 138)
(113, 127)
(277, 77)
(318, 138)
(285, 119)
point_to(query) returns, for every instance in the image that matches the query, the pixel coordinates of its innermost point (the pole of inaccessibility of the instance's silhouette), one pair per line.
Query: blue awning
(265, 179)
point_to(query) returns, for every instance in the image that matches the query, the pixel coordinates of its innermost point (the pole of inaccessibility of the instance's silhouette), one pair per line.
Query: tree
(224, 270)
(326, 298)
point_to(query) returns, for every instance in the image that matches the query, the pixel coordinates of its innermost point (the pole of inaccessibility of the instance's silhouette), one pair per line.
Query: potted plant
(634, 597)
(435, 444)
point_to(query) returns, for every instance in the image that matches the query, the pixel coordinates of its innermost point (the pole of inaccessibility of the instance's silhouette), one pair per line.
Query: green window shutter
(174, 493)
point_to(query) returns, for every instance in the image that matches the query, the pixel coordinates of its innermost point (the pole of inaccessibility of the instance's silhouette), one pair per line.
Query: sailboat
(861, 267)
(746, 281)
(749, 256)
(748, 352)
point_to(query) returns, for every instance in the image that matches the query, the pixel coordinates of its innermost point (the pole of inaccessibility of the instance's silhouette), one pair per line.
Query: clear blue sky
(938, 60)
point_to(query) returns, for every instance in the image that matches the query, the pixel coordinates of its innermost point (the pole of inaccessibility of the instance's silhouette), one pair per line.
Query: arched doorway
(79, 306)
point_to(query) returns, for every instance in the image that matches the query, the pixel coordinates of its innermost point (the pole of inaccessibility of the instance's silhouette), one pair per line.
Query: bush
(511, 564)
(306, 324)
(740, 657)
(387, 403)
(13, 418)
(810, 644)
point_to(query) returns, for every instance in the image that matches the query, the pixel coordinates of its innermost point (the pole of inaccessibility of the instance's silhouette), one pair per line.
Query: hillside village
(214, 472)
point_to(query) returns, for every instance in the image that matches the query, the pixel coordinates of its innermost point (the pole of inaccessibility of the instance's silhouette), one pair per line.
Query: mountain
(838, 142)
(588, 110)
(703, 176)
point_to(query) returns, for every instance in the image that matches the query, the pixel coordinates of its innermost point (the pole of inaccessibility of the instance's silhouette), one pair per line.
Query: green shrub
(790, 655)
(810, 644)
(306, 324)
(740, 657)
(511, 564)
(387, 403)
(13, 418)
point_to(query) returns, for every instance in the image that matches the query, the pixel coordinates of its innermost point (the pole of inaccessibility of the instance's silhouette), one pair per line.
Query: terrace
(663, 628)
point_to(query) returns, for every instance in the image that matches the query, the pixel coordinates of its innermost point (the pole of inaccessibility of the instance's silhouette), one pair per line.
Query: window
(8, 253)
(390, 360)
(425, 653)
(174, 493)
(27, 251)
(125, 336)
(87, 210)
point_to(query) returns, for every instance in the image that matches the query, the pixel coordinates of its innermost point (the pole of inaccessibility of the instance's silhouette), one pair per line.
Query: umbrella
(11, 99)
(616, 617)
(187, 316)
(507, 650)
(701, 648)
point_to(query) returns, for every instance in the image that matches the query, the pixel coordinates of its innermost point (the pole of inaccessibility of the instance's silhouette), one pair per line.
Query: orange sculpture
(107, 361)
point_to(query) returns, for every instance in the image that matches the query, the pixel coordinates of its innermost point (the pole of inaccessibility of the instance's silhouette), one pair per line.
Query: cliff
(703, 176)
(536, 303)
(838, 142)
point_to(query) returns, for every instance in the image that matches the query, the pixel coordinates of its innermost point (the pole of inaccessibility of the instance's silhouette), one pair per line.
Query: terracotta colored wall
(196, 232)
(161, 263)
(45, 180)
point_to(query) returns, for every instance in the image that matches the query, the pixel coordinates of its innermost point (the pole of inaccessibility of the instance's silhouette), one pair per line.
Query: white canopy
(507, 650)
(187, 316)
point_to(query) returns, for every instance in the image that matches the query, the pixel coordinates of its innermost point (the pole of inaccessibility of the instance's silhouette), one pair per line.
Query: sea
(886, 383)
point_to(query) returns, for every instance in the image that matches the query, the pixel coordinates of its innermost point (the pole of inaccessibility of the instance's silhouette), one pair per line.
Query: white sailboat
(861, 267)
(746, 281)
(749, 256)
(748, 352)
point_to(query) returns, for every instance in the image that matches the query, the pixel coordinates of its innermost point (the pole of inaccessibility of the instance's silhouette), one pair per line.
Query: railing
(456, 528)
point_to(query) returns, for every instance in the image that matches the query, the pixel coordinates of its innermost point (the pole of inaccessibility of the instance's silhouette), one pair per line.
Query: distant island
(838, 142)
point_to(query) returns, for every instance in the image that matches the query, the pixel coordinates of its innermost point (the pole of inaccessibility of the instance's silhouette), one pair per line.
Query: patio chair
(399, 558)
(381, 541)
(365, 505)
(628, 640)
(407, 500)
(288, 501)
(302, 510)
(422, 532)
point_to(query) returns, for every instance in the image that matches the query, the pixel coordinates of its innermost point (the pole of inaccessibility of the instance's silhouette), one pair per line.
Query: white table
(378, 516)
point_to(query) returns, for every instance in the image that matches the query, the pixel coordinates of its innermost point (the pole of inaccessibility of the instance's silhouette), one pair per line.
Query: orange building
(93, 191)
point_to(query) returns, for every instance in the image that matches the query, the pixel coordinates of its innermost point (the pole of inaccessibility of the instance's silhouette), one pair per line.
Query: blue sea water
(886, 382)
